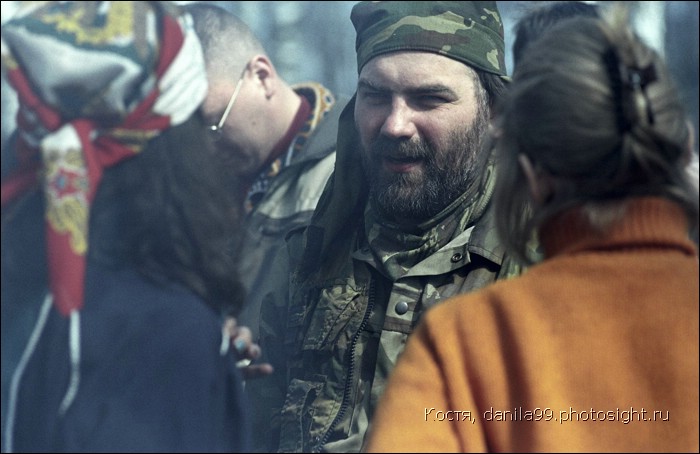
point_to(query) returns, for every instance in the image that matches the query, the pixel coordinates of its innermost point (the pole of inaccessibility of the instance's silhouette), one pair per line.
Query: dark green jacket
(287, 204)
(358, 290)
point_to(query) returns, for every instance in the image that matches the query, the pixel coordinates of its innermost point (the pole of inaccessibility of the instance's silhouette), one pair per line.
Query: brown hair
(595, 109)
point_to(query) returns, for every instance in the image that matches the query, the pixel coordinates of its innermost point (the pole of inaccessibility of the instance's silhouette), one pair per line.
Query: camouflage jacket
(289, 195)
(334, 345)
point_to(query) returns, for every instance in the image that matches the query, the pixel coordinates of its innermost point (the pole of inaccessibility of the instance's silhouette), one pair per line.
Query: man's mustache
(405, 149)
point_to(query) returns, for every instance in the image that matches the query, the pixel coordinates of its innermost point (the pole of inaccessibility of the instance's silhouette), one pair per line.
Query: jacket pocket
(297, 416)
(335, 318)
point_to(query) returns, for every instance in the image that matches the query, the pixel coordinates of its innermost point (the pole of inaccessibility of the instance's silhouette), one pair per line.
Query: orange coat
(594, 349)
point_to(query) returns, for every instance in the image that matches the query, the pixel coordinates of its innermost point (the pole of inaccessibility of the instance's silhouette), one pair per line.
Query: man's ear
(265, 74)
(538, 182)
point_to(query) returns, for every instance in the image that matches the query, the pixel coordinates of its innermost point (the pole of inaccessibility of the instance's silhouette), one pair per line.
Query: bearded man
(404, 222)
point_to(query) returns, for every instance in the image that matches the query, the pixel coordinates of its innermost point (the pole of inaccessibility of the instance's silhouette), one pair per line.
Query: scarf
(95, 82)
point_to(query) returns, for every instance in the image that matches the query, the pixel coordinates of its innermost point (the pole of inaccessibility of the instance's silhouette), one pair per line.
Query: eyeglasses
(217, 128)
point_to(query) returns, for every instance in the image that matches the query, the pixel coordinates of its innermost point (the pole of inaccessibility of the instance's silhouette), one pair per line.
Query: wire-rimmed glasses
(216, 129)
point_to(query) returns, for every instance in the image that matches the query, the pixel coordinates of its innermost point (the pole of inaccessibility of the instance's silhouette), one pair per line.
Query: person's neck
(297, 117)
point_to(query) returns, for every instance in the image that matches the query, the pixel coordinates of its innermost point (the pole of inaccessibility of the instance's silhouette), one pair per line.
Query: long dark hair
(601, 138)
(171, 213)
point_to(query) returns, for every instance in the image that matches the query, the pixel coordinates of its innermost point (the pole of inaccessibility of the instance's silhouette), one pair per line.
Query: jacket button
(457, 257)
(401, 307)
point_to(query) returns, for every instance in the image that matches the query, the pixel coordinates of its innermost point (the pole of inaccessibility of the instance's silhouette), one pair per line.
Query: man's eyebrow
(366, 85)
(428, 89)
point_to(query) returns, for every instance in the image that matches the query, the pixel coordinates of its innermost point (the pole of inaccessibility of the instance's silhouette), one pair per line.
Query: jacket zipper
(351, 371)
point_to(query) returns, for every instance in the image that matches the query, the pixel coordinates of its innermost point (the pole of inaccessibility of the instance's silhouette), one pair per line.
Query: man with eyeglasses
(280, 139)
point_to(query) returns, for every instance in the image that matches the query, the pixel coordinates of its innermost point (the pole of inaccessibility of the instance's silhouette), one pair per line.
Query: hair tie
(627, 80)
(637, 80)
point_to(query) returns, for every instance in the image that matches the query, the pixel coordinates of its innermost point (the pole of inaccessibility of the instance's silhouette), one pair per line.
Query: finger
(247, 350)
(243, 341)
(253, 352)
(257, 371)
(241, 347)
(230, 325)
(243, 332)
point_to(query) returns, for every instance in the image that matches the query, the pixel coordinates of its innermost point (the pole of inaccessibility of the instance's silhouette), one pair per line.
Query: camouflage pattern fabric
(470, 32)
(355, 294)
(350, 330)
(283, 198)
(395, 252)
(287, 205)
(361, 296)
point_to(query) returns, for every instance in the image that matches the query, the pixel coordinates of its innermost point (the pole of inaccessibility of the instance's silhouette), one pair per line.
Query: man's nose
(400, 121)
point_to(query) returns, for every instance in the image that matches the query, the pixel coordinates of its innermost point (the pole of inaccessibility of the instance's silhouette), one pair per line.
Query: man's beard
(447, 173)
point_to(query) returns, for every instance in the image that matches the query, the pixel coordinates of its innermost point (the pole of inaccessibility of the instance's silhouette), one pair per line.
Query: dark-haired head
(169, 212)
(594, 110)
(543, 17)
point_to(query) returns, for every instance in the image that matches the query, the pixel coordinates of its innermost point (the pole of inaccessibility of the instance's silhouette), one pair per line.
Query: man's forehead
(413, 68)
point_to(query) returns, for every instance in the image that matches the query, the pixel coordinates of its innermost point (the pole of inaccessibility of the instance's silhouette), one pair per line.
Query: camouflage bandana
(469, 32)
